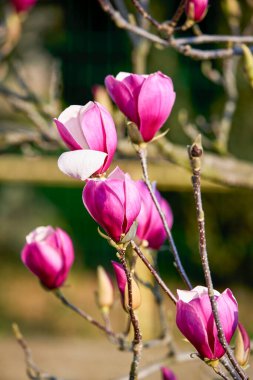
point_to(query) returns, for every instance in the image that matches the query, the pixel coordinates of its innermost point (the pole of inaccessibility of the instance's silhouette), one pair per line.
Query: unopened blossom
(167, 374)
(105, 294)
(114, 203)
(23, 5)
(90, 133)
(123, 287)
(49, 254)
(146, 100)
(242, 346)
(150, 226)
(196, 322)
(196, 9)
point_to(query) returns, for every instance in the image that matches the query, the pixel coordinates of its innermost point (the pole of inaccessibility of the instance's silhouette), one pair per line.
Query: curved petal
(66, 247)
(122, 96)
(105, 207)
(66, 136)
(70, 118)
(44, 261)
(81, 164)
(192, 327)
(228, 312)
(132, 202)
(155, 103)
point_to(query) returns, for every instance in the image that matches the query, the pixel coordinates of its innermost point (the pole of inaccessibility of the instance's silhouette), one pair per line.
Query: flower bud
(242, 346)
(123, 288)
(114, 203)
(150, 225)
(105, 289)
(23, 5)
(49, 254)
(195, 320)
(85, 128)
(146, 100)
(196, 9)
(167, 374)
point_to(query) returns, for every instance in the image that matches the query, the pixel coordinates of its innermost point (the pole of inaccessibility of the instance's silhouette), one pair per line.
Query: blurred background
(85, 46)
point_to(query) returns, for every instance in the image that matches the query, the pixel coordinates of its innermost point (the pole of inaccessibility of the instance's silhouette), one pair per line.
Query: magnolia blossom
(123, 287)
(23, 5)
(49, 254)
(196, 9)
(90, 133)
(196, 322)
(150, 226)
(114, 203)
(167, 374)
(146, 100)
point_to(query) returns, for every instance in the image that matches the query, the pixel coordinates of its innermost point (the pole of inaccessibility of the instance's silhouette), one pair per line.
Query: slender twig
(182, 45)
(177, 15)
(86, 316)
(145, 14)
(32, 370)
(226, 364)
(137, 341)
(154, 273)
(220, 373)
(142, 152)
(195, 152)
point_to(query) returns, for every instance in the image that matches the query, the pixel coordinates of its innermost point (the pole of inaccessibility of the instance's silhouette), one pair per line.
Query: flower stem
(195, 152)
(142, 152)
(154, 273)
(137, 341)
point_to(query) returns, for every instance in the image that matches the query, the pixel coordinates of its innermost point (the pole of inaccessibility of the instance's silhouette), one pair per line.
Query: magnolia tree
(135, 219)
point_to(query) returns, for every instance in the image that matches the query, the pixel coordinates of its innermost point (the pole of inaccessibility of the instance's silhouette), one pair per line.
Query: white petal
(122, 75)
(70, 118)
(81, 164)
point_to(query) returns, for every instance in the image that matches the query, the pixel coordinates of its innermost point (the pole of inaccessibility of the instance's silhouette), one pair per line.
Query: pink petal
(155, 103)
(81, 164)
(70, 118)
(132, 202)
(192, 327)
(105, 206)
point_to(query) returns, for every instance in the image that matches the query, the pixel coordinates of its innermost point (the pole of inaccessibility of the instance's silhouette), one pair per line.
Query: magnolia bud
(242, 346)
(105, 289)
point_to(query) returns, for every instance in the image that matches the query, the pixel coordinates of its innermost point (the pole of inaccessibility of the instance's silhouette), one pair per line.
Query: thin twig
(182, 45)
(86, 316)
(195, 152)
(142, 152)
(137, 341)
(32, 370)
(145, 14)
(154, 273)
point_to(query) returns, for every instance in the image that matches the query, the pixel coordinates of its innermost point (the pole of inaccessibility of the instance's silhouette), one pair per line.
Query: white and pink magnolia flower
(90, 133)
(195, 319)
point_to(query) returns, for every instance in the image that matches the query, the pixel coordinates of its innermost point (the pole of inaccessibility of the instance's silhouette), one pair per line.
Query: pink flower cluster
(123, 207)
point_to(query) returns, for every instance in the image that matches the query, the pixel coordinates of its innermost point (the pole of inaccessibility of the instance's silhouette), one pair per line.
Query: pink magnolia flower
(123, 287)
(242, 346)
(146, 100)
(196, 9)
(90, 132)
(23, 5)
(49, 254)
(167, 374)
(150, 226)
(114, 203)
(196, 322)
